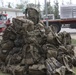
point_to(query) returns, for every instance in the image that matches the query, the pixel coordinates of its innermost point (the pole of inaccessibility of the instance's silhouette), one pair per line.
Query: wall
(13, 14)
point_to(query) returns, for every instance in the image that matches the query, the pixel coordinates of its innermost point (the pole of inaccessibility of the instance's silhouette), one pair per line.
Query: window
(3, 17)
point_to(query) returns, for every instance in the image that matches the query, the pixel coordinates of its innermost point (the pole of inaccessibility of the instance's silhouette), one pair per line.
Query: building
(11, 13)
(68, 11)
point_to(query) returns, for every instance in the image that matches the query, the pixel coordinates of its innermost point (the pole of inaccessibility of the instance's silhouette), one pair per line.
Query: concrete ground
(73, 36)
(71, 31)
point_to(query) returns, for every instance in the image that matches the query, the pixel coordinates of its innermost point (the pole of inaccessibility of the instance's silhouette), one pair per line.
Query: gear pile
(36, 50)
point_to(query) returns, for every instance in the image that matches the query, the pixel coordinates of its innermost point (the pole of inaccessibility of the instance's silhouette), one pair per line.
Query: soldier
(32, 13)
(34, 39)
(30, 48)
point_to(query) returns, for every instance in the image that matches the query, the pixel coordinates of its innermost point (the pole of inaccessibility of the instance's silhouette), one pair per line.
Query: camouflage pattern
(29, 47)
(32, 13)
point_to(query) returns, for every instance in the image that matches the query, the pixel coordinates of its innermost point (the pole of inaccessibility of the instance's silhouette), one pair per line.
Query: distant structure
(70, 2)
(68, 11)
(11, 13)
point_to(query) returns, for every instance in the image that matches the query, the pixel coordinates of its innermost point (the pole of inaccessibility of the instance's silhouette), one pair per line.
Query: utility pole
(38, 5)
(46, 12)
(49, 1)
(70, 2)
(35, 2)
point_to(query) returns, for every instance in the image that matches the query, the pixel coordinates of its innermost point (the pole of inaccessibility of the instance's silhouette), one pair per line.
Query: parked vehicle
(4, 22)
(67, 16)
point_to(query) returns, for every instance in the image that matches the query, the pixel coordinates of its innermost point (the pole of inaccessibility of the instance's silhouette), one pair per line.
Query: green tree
(56, 9)
(19, 6)
(9, 5)
(36, 5)
(49, 8)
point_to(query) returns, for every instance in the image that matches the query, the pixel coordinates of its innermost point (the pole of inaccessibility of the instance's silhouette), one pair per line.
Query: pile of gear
(29, 47)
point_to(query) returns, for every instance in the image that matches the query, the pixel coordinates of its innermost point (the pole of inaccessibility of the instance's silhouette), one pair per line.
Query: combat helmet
(31, 6)
(32, 12)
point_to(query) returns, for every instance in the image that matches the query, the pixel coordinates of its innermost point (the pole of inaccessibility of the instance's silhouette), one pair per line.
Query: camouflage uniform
(34, 40)
(59, 46)
(28, 47)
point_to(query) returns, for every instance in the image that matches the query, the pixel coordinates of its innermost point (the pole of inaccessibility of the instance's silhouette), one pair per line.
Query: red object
(5, 14)
(1, 22)
(61, 21)
(2, 29)
(46, 18)
(8, 22)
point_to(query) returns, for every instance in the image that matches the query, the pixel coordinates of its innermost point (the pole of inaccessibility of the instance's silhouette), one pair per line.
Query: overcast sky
(14, 2)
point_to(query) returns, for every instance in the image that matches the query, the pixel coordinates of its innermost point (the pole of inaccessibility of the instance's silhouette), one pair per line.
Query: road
(68, 30)
(73, 36)
(71, 31)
